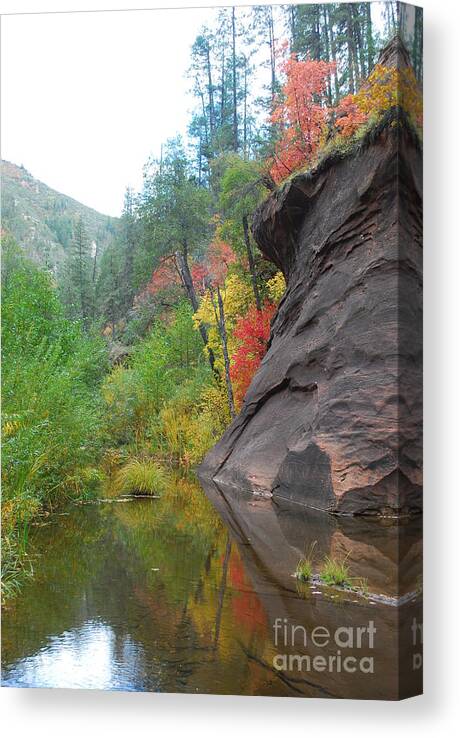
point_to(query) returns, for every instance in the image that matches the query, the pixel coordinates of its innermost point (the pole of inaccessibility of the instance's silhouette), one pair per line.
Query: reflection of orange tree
(246, 606)
(204, 591)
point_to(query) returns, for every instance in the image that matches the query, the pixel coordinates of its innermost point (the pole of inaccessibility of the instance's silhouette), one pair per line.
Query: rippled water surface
(190, 594)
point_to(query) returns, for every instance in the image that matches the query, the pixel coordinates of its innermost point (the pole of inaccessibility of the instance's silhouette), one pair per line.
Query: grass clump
(141, 477)
(304, 569)
(335, 572)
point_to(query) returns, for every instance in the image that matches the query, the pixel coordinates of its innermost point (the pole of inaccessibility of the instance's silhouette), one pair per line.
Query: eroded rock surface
(333, 417)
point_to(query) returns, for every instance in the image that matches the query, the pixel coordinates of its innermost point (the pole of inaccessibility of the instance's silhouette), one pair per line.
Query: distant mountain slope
(41, 219)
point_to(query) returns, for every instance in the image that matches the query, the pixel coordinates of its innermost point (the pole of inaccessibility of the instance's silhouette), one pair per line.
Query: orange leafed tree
(301, 114)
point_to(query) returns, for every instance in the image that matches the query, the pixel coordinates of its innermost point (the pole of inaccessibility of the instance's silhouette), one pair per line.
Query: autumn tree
(210, 277)
(301, 114)
(252, 332)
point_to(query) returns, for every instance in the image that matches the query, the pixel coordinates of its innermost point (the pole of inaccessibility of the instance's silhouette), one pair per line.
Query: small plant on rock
(336, 572)
(304, 569)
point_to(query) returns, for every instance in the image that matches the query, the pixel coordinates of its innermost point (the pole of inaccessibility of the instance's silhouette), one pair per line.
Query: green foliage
(304, 570)
(174, 208)
(162, 364)
(141, 476)
(241, 187)
(51, 413)
(77, 281)
(335, 572)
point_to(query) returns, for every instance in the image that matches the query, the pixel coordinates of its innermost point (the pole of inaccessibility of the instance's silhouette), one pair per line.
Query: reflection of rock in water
(272, 538)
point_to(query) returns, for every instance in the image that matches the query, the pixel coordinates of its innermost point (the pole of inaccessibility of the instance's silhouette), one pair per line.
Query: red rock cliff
(333, 417)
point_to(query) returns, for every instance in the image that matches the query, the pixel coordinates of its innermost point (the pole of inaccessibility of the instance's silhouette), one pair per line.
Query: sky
(88, 97)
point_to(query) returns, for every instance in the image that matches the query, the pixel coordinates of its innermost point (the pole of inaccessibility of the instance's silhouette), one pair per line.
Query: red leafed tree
(214, 269)
(301, 114)
(253, 332)
(163, 278)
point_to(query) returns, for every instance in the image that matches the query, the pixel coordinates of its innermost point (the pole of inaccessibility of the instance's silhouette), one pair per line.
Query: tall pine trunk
(222, 328)
(330, 24)
(234, 83)
(351, 61)
(369, 39)
(212, 121)
(187, 283)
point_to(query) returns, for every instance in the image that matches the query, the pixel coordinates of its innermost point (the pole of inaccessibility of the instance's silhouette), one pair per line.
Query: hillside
(41, 219)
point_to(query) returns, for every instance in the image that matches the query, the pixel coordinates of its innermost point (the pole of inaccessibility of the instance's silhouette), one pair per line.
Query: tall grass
(51, 421)
(335, 572)
(304, 569)
(141, 477)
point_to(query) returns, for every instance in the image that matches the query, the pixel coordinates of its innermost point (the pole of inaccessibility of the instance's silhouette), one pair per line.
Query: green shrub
(51, 412)
(140, 476)
(335, 572)
(304, 570)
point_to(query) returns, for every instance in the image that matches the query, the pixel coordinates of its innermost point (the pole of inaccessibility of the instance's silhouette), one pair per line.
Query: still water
(195, 593)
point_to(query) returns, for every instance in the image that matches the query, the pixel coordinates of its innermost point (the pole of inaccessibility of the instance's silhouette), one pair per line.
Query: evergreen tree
(128, 234)
(77, 283)
(176, 215)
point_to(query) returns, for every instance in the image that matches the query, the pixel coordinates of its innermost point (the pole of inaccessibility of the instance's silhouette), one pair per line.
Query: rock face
(333, 417)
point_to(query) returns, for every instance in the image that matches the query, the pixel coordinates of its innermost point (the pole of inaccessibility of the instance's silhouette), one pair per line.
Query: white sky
(87, 97)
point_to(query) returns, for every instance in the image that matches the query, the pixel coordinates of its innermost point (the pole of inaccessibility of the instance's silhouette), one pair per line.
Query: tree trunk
(369, 39)
(210, 91)
(271, 30)
(252, 266)
(235, 112)
(220, 320)
(351, 76)
(327, 50)
(292, 24)
(222, 89)
(359, 43)
(333, 55)
(187, 283)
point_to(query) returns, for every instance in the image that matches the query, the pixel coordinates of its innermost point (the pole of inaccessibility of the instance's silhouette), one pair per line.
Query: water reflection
(170, 595)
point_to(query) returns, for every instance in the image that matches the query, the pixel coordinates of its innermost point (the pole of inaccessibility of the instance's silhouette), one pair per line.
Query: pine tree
(128, 227)
(78, 287)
